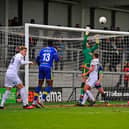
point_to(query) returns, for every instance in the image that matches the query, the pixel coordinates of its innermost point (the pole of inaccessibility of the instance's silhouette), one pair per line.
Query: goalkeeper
(88, 55)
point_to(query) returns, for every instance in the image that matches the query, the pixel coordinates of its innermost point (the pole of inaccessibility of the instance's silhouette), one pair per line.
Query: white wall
(57, 14)
(33, 9)
(13, 8)
(96, 3)
(2, 12)
(85, 17)
(76, 14)
(122, 20)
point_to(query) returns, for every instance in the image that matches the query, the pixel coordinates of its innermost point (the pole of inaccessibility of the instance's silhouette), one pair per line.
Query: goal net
(113, 50)
(10, 39)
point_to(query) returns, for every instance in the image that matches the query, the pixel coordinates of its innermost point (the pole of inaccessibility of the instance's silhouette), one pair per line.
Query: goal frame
(52, 27)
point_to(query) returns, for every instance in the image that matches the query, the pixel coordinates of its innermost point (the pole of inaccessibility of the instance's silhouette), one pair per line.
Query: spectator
(112, 28)
(126, 48)
(15, 21)
(60, 48)
(116, 53)
(32, 44)
(32, 21)
(10, 22)
(105, 28)
(112, 53)
(126, 76)
(117, 28)
(105, 46)
(77, 25)
(58, 33)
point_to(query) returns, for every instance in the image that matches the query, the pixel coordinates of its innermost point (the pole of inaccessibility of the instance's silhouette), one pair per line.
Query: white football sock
(5, 96)
(90, 95)
(85, 96)
(24, 96)
(34, 102)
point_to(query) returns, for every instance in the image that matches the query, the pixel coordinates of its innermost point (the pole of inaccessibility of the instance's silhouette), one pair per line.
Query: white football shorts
(91, 81)
(12, 80)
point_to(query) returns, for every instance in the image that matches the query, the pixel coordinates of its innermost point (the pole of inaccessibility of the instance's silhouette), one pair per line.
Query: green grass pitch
(14, 117)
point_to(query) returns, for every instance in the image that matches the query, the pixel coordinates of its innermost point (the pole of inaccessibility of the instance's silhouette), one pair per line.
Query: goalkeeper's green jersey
(88, 52)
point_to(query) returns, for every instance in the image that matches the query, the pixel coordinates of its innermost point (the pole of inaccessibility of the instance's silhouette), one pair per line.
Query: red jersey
(126, 77)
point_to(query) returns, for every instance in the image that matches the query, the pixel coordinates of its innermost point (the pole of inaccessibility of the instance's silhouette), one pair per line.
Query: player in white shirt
(92, 79)
(12, 78)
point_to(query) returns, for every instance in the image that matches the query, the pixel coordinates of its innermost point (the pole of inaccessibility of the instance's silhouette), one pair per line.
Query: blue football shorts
(45, 73)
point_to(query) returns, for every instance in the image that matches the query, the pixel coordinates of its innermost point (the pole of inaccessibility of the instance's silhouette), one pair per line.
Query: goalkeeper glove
(86, 33)
(87, 30)
(97, 39)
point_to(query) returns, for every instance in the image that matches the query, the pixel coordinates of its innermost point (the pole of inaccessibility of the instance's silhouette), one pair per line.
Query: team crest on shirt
(15, 83)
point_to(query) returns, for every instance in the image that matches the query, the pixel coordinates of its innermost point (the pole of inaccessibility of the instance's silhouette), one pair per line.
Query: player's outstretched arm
(97, 39)
(85, 38)
(89, 71)
(31, 62)
(23, 62)
(97, 43)
(85, 67)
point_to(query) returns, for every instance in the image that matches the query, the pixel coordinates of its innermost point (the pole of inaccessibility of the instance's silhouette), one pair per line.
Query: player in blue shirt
(45, 62)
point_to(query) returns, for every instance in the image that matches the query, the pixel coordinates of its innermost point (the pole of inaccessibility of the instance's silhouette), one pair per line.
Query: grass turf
(14, 117)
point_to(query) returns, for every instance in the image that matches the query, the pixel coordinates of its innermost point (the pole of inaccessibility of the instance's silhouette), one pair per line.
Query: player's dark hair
(50, 43)
(96, 55)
